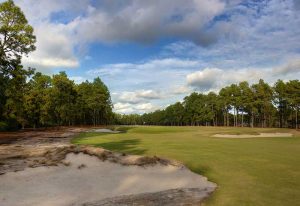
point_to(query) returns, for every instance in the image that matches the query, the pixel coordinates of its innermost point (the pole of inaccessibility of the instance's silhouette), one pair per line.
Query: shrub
(3, 126)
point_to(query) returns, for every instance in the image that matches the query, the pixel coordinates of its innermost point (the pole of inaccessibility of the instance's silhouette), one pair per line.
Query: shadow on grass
(124, 129)
(121, 129)
(126, 146)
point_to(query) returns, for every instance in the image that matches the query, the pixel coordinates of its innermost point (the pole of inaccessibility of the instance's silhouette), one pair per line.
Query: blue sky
(153, 53)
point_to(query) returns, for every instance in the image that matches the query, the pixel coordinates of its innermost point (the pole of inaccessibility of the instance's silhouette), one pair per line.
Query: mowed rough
(248, 171)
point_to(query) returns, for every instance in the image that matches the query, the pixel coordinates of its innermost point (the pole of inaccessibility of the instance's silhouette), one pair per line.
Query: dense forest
(56, 100)
(257, 105)
(29, 98)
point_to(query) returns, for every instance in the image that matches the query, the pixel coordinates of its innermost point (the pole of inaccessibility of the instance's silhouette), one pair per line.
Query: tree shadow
(124, 129)
(126, 146)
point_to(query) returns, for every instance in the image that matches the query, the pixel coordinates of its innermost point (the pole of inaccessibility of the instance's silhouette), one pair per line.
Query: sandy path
(67, 185)
(253, 136)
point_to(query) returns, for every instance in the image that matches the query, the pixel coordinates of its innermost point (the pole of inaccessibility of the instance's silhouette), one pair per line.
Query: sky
(153, 53)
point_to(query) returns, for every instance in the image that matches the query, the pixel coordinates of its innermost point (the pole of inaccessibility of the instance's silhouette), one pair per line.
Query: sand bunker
(253, 136)
(43, 168)
(89, 180)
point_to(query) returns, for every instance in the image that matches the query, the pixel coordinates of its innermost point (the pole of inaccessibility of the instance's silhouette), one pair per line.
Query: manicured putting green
(255, 171)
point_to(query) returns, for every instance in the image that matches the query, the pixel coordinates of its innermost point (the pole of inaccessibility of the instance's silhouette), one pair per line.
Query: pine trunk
(224, 123)
(296, 118)
(252, 119)
(242, 118)
(227, 119)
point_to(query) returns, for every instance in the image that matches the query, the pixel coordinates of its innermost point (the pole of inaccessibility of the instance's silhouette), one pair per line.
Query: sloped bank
(79, 175)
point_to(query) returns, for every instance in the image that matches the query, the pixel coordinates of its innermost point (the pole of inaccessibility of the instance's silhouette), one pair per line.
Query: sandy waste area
(47, 171)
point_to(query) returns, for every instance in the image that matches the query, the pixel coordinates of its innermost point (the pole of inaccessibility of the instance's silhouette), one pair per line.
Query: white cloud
(293, 66)
(146, 107)
(39, 63)
(123, 108)
(151, 65)
(55, 37)
(168, 63)
(215, 78)
(138, 96)
(178, 90)
(129, 97)
(148, 94)
(127, 108)
(204, 79)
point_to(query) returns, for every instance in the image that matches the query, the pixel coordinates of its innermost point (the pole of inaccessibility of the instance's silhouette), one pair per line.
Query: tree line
(40, 100)
(237, 105)
(32, 99)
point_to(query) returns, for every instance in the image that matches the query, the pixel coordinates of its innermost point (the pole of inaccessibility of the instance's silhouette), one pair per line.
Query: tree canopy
(16, 35)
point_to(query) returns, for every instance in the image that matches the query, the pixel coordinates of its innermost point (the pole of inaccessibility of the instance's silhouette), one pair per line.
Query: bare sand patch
(241, 136)
(96, 181)
(43, 168)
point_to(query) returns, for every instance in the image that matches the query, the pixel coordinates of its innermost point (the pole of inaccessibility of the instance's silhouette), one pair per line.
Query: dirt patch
(241, 136)
(39, 135)
(34, 148)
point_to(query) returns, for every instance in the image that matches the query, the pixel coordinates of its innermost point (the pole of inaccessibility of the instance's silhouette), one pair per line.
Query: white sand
(67, 185)
(253, 136)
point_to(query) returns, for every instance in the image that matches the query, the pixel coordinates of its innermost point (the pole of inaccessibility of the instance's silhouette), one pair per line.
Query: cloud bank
(64, 29)
(213, 79)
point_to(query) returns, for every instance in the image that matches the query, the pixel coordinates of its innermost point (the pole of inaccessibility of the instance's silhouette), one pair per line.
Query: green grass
(256, 171)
